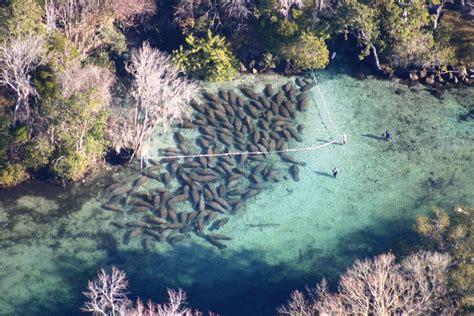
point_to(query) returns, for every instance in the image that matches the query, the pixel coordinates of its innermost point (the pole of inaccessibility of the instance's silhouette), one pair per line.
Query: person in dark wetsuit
(388, 135)
(334, 172)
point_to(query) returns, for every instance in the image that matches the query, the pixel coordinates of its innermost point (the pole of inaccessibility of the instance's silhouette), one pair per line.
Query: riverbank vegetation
(66, 67)
(435, 280)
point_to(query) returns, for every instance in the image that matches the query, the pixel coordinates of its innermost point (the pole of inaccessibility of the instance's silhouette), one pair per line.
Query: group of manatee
(197, 194)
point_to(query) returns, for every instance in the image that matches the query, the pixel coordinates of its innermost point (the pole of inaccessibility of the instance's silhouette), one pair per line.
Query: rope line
(324, 104)
(239, 153)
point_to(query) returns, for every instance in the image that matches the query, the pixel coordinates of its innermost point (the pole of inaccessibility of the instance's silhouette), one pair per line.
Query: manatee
(178, 198)
(252, 111)
(221, 190)
(300, 82)
(207, 130)
(172, 216)
(166, 179)
(256, 104)
(237, 124)
(223, 95)
(227, 125)
(240, 102)
(131, 235)
(294, 172)
(215, 242)
(250, 194)
(155, 219)
(112, 207)
(217, 207)
(217, 106)
(248, 92)
(200, 227)
(225, 131)
(182, 217)
(196, 106)
(163, 212)
(303, 105)
(223, 203)
(175, 239)
(219, 236)
(138, 224)
(186, 124)
(232, 97)
(307, 87)
(279, 97)
(237, 206)
(112, 186)
(287, 158)
(116, 198)
(119, 225)
(210, 96)
(121, 189)
(139, 209)
(269, 91)
(219, 223)
(153, 233)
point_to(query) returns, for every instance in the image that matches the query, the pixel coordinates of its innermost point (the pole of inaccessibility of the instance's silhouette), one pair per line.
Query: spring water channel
(291, 234)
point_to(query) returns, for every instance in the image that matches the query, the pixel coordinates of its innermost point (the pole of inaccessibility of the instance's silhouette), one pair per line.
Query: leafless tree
(84, 21)
(108, 294)
(238, 9)
(188, 11)
(76, 78)
(380, 286)
(285, 6)
(160, 92)
(18, 58)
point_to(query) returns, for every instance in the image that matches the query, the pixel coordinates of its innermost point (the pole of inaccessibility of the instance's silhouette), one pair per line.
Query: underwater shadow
(373, 136)
(228, 282)
(324, 174)
(225, 282)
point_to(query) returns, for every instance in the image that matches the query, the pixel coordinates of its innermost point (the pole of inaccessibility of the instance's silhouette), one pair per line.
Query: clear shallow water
(52, 241)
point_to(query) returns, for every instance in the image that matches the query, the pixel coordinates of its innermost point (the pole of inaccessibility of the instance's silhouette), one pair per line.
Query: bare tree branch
(18, 58)
(160, 92)
(380, 286)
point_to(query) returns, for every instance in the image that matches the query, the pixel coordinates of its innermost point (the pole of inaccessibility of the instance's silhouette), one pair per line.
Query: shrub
(71, 166)
(37, 152)
(12, 174)
(207, 58)
(308, 51)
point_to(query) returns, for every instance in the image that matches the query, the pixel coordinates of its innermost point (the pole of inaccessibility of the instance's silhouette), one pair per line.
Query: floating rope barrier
(324, 104)
(239, 153)
(248, 152)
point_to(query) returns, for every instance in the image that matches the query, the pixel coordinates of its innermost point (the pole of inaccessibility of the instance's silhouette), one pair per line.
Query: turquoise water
(53, 240)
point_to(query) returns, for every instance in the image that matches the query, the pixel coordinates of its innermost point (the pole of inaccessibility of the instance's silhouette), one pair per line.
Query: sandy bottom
(52, 240)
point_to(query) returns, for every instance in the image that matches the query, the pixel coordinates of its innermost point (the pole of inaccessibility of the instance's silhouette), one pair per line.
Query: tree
(26, 19)
(208, 58)
(19, 57)
(107, 296)
(160, 92)
(359, 20)
(90, 24)
(455, 235)
(308, 51)
(285, 6)
(380, 286)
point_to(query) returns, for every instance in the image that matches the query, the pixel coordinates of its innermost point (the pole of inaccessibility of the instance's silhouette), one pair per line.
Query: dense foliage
(55, 106)
(453, 234)
(206, 58)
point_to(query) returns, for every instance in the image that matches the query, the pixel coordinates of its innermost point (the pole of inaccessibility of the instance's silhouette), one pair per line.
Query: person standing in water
(335, 172)
(344, 139)
(388, 135)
